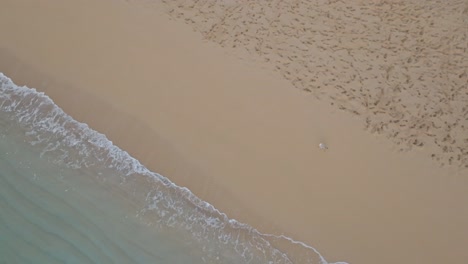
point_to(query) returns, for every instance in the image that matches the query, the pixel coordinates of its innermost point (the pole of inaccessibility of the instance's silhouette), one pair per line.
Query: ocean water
(68, 195)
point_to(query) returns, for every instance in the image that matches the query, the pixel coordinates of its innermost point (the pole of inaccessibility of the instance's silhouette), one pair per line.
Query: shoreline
(203, 107)
(281, 242)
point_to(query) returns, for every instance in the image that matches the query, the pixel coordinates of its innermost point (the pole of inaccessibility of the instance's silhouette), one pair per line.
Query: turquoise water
(49, 214)
(68, 195)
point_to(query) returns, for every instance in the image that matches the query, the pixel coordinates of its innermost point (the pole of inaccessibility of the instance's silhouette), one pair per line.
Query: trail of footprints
(400, 65)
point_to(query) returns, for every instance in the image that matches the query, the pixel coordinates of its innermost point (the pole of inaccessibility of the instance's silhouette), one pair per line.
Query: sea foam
(70, 143)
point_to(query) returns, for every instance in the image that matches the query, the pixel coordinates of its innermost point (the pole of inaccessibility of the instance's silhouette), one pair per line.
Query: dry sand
(400, 65)
(240, 137)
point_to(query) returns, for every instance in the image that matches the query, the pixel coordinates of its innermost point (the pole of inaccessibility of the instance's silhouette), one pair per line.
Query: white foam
(58, 134)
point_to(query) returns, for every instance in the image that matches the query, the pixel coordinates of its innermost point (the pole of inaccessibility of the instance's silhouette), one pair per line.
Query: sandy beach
(238, 118)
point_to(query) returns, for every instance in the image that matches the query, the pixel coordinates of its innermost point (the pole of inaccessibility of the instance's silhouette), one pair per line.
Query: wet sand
(238, 134)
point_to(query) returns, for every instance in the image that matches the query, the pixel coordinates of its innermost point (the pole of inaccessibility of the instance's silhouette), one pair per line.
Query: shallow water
(53, 214)
(67, 194)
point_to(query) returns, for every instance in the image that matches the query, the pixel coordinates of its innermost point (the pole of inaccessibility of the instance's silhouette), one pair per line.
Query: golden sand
(399, 65)
(223, 122)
